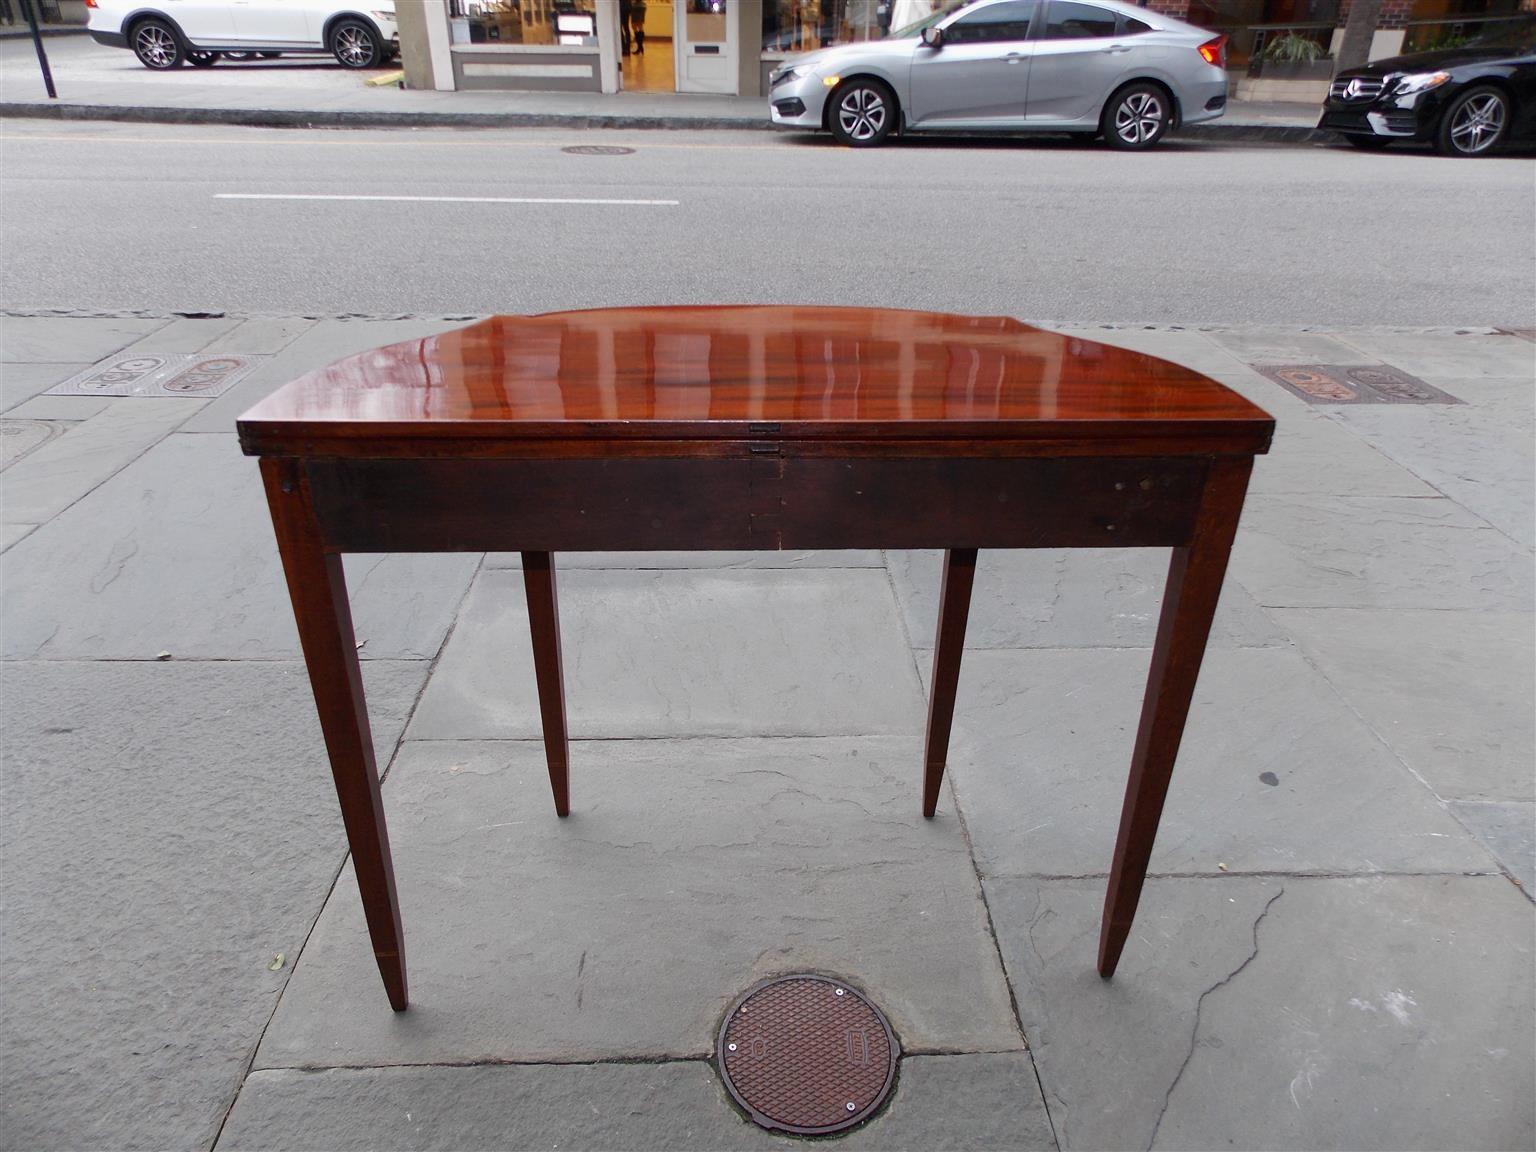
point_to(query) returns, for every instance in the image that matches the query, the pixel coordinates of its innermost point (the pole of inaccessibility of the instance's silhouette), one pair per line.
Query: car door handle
(1014, 57)
(1116, 48)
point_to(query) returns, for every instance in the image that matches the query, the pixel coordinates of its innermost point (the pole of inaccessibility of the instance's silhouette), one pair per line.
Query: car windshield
(917, 26)
(1514, 34)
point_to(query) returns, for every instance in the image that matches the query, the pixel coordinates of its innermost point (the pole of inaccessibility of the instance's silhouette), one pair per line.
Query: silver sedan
(1103, 67)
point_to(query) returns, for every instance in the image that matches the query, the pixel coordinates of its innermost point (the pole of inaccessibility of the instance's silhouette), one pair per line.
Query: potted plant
(1295, 57)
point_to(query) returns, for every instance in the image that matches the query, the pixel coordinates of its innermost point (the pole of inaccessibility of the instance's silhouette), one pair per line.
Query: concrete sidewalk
(97, 83)
(1335, 949)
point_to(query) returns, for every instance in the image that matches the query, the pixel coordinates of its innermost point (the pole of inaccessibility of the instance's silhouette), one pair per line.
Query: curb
(25, 33)
(335, 118)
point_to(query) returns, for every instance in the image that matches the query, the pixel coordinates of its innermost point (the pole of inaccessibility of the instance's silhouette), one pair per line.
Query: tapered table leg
(318, 588)
(954, 607)
(1189, 603)
(544, 624)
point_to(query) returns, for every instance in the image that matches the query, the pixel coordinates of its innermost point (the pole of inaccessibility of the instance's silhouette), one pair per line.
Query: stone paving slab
(1508, 831)
(167, 829)
(781, 559)
(51, 479)
(1042, 748)
(959, 1103)
(1449, 692)
(1312, 454)
(176, 554)
(682, 653)
(185, 334)
(1376, 552)
(1434, 356)
(1260, 345)
(72, 339)
(264, 335)
(687, 871)
(1065, 598)
(1480, 458)
(324, 342)
(13, 533)
(60, 407)
(1281, 1012)
(19, 383)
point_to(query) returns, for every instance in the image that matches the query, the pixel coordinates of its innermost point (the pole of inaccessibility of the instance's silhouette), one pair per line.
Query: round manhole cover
(807, 1054)
(596, 150)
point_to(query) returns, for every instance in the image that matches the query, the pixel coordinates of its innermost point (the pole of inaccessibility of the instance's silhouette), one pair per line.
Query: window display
(523, 21)
(804, 25)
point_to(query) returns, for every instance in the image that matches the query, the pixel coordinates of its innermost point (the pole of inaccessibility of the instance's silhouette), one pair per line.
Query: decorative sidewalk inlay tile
(160, 374)
(1353, 384)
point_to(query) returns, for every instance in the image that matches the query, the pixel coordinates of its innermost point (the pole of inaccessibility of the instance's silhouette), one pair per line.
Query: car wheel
(1474, 124)
(356, 45)
(156, 45)
(1136, 117)
(1369, 143)
(863, 113)
(202, 59)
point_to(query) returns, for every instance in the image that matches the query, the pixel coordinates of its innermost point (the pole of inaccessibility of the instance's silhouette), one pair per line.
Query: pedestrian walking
(637, 16)
(626, 14)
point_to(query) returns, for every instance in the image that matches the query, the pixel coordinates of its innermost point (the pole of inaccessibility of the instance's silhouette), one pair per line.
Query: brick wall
(1394, 13)
(1179, 9)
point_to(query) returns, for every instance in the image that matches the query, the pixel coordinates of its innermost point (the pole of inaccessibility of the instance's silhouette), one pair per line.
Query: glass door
(705, 37)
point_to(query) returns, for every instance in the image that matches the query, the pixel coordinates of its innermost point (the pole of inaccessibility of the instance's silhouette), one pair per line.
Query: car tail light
(1215, 51)
(92, 4)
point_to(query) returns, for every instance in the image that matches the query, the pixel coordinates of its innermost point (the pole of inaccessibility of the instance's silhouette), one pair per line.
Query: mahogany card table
(750, 428)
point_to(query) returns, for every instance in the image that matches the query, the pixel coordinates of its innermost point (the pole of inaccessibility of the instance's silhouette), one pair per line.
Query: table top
(701, 379)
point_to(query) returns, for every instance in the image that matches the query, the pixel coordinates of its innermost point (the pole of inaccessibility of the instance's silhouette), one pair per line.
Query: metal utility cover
(159, 374)
(1353, 384)
(597, 150)
(807, 1054)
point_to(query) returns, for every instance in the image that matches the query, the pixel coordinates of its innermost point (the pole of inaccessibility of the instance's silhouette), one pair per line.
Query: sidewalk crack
(1194, 1033)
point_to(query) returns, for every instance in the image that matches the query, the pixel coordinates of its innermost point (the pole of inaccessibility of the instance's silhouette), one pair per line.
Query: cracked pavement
(746, 754)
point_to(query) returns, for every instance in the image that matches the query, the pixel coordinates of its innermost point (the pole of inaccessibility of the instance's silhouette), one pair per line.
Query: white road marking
(444, 199)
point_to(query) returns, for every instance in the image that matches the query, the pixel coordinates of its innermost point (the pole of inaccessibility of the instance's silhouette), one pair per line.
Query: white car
(163, 33)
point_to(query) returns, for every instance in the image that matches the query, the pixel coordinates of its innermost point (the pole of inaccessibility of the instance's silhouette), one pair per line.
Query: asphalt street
(117, 216)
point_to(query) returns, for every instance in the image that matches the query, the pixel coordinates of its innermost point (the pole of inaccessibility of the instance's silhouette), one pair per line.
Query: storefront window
(1437, 24)
(523, 21)
(802, 25)
(1254, 26)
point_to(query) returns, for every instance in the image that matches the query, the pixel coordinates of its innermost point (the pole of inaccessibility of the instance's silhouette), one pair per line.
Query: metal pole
(37, 41)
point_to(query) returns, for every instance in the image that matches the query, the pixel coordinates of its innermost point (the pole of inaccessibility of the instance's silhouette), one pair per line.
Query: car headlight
(789, 74)
(1413, 82)
(384, 16)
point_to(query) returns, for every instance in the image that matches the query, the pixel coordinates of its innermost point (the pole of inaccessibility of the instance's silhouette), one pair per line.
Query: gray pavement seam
(1194, 1032)
(970, 848)
(345, 856)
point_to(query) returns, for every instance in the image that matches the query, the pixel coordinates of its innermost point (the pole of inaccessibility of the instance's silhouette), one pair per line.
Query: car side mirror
(933, 37)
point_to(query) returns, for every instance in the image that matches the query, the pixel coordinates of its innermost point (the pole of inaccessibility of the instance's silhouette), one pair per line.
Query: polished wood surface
(750, 428)
(531, 384)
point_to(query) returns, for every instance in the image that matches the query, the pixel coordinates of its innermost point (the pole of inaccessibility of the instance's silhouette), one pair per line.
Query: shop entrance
(647, 64)
(706, 46)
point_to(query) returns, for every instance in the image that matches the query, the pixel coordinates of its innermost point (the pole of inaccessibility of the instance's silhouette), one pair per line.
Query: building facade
(730, 46)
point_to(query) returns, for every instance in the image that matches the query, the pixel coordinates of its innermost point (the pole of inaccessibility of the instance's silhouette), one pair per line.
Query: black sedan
(1465, 101)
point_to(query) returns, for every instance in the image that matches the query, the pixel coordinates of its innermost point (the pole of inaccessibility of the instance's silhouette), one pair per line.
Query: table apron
(763, 501)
